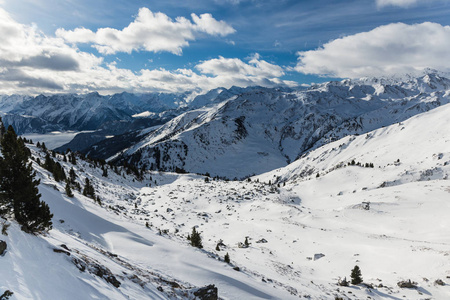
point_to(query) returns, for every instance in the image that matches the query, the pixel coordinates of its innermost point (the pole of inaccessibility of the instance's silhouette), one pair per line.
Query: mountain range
(357, 174)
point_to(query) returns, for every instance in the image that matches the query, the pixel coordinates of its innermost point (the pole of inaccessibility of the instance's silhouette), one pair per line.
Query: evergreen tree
(58, 172)
(19, 192)
(68, 190)
(48, 164)
(72, 176)
(356, 275)
(2, 128)
(196, 239)
(72, 158)
(105, 172)
(227, 258)
(246, 243)
(88, 190)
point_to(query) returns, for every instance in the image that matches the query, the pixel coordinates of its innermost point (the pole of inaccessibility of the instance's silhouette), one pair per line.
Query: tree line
(19, 193)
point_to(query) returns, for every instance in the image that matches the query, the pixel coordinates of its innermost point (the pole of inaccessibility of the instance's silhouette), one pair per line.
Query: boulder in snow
(407, 284)
(207, 293)
(439, 282)
(318, 256)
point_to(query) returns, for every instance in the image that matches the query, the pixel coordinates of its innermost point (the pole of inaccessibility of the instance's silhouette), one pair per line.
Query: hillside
(262, 129)
(305, 232)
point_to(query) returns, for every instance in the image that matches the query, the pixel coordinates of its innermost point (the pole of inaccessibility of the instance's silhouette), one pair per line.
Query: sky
(174, 46)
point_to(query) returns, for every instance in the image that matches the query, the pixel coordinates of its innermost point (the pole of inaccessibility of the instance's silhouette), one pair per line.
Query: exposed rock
(343, 282)
(96, 269)
(6, 295)
(407, 284)
(221, 244)
(439, 282)
(366, 205)
(207, 293)
(263, 240)
(318, 256)
(104, 273)
(65, 247)
(242, 245)
(56, 250)
(368, 285)
(3, 246)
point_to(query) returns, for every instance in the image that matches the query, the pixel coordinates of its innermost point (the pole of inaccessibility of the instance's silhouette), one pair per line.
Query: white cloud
(154, 32)
(208, 24)
(386, 50)
(33, 63)
(400, 3)
(403, 3)
(233, 66)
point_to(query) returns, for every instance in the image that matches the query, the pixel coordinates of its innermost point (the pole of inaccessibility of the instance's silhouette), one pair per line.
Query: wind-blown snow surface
(262, 129)
(404, 235)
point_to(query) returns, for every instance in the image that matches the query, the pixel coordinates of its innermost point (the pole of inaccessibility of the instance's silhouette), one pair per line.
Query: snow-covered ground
(305, 232)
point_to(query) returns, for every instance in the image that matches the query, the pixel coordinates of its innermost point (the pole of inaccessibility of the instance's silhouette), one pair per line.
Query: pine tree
(2, 128)
(72, 176)
(196, 239)
(356, 275)
(227, 258)
(246, 243)
(105, 172)
(19, 192)
(72, 158)
(68, 190)
(88, 190)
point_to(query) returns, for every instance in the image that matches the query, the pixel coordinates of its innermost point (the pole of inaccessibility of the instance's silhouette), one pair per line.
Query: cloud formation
(399, 3)
(396, 48)
(153, 32)
(230, 66)
(33, 63)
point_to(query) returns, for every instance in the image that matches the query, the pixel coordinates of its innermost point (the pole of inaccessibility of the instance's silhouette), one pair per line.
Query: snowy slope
(146, 264)
(404, 235)
(262, 129)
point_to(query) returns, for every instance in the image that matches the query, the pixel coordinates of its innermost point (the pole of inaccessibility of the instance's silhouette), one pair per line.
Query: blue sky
(57, 46)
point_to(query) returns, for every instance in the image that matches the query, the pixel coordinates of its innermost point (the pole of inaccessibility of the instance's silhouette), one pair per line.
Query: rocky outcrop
(3, 246)
(209, 292)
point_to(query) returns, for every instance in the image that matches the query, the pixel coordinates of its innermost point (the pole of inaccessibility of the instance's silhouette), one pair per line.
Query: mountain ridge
(264, 127)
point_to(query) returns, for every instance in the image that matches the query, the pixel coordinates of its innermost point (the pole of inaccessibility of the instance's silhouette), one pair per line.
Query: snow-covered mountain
(305, 232)
(43, 114)
(261, 129)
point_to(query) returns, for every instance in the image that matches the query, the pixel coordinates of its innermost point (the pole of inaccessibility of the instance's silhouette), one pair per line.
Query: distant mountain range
(262, 129)
(234, 132)
(92, 111)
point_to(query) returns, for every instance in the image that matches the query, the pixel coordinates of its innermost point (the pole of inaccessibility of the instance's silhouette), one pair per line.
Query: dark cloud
(24, 80)
(56, 62)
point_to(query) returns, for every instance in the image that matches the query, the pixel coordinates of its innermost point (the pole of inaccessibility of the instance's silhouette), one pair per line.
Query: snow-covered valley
(308, 224)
